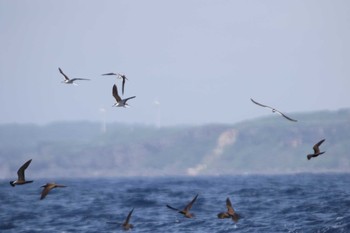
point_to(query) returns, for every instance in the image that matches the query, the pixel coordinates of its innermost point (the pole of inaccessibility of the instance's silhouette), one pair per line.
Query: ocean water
(276, 203)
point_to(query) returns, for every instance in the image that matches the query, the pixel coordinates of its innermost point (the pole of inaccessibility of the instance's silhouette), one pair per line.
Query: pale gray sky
(202, 60)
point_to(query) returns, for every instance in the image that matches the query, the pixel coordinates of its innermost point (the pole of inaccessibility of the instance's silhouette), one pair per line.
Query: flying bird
(186, 210)
(126, 225)
(317, 151)
(230, 212)
(68, 80)
(122, 76)
(21, 178)
(120, 102)
(273, 110)
(48, 187)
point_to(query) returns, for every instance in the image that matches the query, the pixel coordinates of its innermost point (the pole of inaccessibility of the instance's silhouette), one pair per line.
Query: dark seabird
(126, 225)
(317, 151)
(230, 212)
(70, 81)
(273, 110)
(21, 178)
(47, 188)
(122, 76)
(120, 102)
(186, 210)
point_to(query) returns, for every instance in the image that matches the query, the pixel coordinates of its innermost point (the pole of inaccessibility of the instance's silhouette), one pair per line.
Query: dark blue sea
(276, 203)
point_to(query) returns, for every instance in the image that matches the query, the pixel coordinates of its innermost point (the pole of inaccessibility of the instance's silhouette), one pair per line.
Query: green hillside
(265, 145)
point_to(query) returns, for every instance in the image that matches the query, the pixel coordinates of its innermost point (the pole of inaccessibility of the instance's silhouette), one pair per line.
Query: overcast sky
(201, 61)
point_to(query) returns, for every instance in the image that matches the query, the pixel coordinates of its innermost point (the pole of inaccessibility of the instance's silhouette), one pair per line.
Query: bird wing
(74, 79)
(170, 207)
(129, 98)
(235, 217)
(128, 217)
(285, 116)
(46, 190)
(115, 93)
(114, 223)
(262, 105)
(21, 170)
(230, 209)
(123, 85)
(316, 146)
(189, 205)
(65, 76)
(110, 74)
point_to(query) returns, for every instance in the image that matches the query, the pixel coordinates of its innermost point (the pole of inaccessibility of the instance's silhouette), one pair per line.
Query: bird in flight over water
(126, 225)
(273, 110)
(68, 80)
(48, 187)
(186, 210)
(317, 151)
(230, 213)
(120, 102)
(20, 173)
(122, 76)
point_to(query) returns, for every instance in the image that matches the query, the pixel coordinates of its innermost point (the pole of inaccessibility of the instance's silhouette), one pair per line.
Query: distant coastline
(267, 145)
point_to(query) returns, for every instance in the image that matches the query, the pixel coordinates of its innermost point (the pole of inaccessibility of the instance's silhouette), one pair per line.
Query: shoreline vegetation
(268, 145)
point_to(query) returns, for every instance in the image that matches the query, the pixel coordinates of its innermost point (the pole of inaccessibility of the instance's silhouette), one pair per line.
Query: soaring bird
(122, 76)
(21, 178)
(317, 151)
(126, 225)
(68, 80)
(120, 102)
(47, 188)
(186, 210)
(230, 212)
(273, 110)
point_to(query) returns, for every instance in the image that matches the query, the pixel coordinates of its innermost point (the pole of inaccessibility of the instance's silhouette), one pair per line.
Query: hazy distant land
(265, 145)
